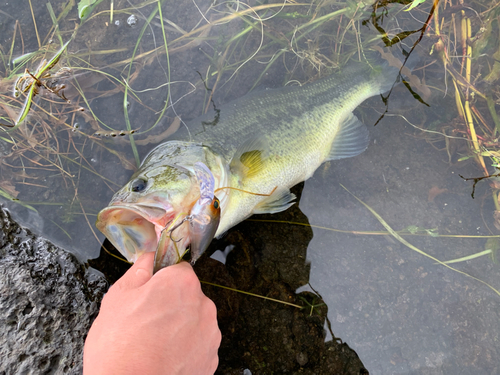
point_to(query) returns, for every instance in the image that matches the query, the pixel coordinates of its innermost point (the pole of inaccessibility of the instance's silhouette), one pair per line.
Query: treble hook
(171, 230)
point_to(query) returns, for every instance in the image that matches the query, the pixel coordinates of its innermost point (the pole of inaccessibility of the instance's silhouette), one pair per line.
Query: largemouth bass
(255, 148)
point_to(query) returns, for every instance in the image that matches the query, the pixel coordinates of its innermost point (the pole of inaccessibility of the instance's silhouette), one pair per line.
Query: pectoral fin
(352, 139)
(250, 157)
(279, 201)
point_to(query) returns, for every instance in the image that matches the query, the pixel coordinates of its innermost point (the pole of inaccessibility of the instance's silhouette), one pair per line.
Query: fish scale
(283, 113)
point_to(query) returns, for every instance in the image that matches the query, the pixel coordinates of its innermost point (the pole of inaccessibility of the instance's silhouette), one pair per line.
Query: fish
(251, 151)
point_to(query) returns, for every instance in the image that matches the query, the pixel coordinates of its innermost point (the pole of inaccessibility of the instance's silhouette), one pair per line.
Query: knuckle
(218, 337)
(181, 273)
(190, 280)
(215, 364)
(210, 308)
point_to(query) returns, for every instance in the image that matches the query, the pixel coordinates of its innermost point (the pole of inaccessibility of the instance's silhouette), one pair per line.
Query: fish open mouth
(134, 229)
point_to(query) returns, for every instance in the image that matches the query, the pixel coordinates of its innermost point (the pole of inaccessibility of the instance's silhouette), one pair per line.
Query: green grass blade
(11, 51)
(23, 58)
(252, 294)
(53, 61)
(406, 243)
(54, 22)
(31, 93)
(26, 107)
(62, 229)
(12, 199)
(469, 257)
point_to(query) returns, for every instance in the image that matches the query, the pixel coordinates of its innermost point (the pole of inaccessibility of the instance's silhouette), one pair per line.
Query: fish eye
(216, 203)
(138, 185)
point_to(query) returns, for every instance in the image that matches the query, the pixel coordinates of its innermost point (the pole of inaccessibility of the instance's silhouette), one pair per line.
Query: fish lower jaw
(133, 229)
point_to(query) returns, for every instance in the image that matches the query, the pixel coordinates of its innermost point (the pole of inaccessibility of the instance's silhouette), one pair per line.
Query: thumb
(140, 272)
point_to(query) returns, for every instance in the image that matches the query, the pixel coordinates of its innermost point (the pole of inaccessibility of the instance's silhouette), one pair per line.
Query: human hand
(161, 324)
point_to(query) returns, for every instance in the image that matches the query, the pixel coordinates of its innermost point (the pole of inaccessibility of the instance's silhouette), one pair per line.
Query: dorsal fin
(352, 139)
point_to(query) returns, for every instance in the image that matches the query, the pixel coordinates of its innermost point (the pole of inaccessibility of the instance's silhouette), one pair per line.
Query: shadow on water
(264, 336)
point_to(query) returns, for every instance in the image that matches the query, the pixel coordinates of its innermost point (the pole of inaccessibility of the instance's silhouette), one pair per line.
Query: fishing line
(246, 191)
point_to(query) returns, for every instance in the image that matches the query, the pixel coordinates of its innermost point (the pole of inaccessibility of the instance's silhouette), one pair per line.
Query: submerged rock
(48, 302)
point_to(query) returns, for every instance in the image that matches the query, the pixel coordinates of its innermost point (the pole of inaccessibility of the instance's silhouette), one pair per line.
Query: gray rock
(48, 302)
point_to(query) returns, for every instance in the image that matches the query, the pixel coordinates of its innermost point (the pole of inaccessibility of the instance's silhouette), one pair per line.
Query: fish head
(143, 208)
(141, 216)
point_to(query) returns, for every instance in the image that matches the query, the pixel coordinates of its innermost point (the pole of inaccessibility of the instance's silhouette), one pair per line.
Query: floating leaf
(432, 232)
(414, 4)
(412, 229)
(84, 7)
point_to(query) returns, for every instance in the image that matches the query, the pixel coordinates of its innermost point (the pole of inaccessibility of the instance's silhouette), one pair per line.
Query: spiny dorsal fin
(250, 157)
(279, 201)
(351, 140)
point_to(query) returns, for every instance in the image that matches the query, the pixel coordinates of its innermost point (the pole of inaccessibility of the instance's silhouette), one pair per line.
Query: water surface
(399, 310)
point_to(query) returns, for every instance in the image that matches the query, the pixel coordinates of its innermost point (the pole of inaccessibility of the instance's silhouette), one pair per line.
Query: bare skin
(161, 324)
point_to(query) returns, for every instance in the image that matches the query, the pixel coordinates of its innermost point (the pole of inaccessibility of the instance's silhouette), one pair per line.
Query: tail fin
(396, 69)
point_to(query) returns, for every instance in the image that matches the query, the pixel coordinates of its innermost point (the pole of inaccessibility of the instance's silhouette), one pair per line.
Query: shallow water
(401, 312)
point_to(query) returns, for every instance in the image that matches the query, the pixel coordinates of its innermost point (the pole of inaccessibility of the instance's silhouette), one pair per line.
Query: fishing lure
(203, 219)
